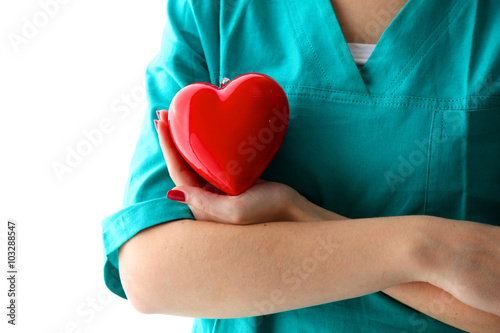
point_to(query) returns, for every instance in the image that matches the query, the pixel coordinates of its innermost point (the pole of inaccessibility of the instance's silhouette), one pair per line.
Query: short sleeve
(188, 54)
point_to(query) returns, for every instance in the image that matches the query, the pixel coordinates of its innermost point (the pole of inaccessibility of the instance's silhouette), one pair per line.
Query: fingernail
(156, 124)
(158, 114)
(176, 195)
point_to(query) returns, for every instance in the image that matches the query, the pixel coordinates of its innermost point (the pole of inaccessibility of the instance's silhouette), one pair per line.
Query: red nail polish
(176, 195)
(156, 124)
(158, 114)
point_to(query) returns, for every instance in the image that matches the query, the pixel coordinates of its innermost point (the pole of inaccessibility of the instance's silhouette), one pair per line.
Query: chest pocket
(464, 164)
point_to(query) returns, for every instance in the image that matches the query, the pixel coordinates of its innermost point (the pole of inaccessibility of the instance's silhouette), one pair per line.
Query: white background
(79, 65)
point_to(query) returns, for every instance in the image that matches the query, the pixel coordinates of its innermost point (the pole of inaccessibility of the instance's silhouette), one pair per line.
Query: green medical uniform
(416, 131)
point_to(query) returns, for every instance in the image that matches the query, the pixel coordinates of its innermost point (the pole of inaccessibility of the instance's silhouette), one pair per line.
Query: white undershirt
(361, 52)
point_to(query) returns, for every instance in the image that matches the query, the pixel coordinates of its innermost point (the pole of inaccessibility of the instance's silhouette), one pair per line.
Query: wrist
(428, 251)
(411, 245)
(303, 210)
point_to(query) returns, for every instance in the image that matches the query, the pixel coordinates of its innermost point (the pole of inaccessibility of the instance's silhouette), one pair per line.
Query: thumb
(199, 199)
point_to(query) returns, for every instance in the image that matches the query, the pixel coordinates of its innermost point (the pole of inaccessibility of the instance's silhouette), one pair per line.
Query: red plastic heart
(229, 135)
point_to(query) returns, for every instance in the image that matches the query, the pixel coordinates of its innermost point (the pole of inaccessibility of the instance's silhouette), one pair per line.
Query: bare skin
(365, 21)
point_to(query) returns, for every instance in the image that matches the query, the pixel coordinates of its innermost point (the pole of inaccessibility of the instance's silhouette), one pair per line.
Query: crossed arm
(228, 263)
(441, 305)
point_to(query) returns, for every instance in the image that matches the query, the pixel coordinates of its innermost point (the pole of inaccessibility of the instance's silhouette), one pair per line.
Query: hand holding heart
(262, 202)
(229, 135)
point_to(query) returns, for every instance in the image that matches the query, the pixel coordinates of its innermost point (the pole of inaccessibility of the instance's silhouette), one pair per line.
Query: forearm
(212, 270)
(439, 304)
(442, 306)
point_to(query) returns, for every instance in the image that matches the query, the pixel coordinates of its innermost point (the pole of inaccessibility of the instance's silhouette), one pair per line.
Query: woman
(367, 201)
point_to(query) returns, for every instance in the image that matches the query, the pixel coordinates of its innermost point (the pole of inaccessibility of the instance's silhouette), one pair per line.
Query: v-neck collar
(402, 45)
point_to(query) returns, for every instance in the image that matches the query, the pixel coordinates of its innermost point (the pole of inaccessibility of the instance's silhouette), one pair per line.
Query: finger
(178, 169)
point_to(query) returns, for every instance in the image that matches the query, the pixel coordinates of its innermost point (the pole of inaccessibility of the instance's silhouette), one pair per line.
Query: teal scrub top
(416, 131)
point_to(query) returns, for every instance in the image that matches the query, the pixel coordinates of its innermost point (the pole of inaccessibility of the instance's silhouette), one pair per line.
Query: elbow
(134, 287)
(154, 270)
(138, 301)
(181, 269)
(137, 274)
